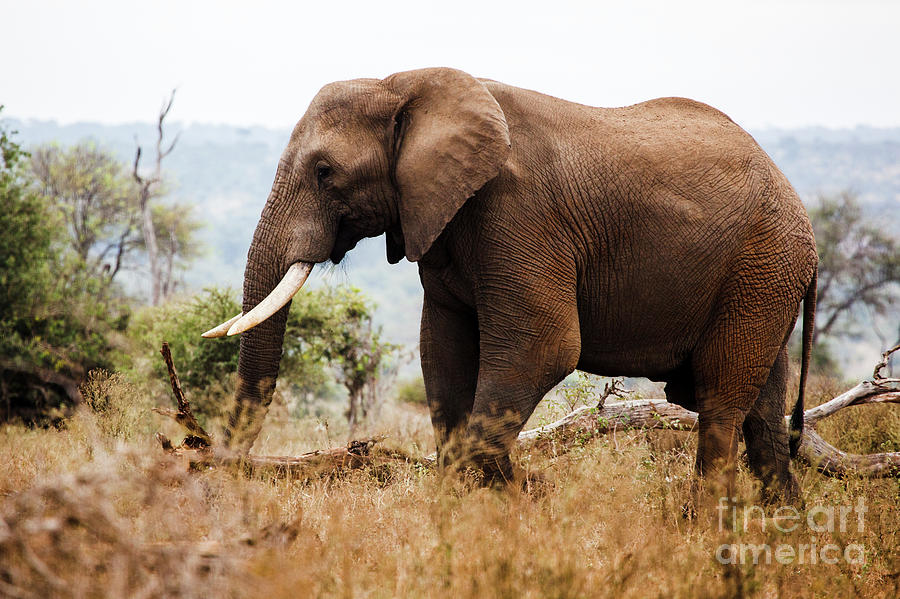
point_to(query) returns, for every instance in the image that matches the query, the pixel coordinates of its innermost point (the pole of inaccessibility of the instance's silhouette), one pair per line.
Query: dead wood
(148, 188)
(587, 422)
(590, 421)
(314, 464)
(184, 416)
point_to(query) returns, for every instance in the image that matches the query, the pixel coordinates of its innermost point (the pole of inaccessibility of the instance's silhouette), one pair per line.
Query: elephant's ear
(450, 139)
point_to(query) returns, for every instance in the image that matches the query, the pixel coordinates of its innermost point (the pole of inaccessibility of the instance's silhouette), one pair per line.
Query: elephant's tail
(809, 327)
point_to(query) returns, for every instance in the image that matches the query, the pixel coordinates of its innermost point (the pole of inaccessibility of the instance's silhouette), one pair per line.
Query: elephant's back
(656, 202)
(678, 138)
(689, 158)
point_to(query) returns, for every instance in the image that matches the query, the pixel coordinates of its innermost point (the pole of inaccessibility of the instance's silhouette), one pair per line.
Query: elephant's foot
(495, 473)
(505, 475)
(707, 491)
(782, 490)
(463, 475)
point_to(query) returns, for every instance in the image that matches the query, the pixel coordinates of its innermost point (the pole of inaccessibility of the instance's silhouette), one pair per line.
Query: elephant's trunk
(260, 353)
(292, 235)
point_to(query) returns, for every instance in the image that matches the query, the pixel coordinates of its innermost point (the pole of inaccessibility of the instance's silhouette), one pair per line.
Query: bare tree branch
(137, 162)
(184, 416)
(160, 153)
(171, 147)
(885, 358)
(146, 194)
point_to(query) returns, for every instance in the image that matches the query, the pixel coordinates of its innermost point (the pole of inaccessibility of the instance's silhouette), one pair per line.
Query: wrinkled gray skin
(655, 240)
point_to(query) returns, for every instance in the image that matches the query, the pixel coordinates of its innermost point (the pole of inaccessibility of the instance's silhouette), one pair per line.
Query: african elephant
(655, 240)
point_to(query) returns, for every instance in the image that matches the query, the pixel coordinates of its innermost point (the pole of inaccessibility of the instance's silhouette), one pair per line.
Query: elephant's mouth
(290, 284)
(346, 240)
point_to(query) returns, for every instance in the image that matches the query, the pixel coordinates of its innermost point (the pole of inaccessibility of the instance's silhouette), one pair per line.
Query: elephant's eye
(323, 171)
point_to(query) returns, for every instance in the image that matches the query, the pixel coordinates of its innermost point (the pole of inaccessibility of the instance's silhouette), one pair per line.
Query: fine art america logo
(786, 519)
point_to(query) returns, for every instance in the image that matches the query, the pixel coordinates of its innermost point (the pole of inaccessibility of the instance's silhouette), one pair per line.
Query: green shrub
(329, 337)
(56, 321)
(206, 367)
(412, 391)
(200, 362)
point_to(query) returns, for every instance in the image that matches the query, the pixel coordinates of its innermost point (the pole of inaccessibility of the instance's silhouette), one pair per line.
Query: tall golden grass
(97, 510)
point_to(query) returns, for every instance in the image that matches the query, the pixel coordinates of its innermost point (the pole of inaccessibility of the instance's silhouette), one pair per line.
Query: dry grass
(96, 510)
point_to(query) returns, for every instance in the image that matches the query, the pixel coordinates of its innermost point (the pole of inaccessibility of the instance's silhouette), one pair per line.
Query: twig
(885, 358)
(614, 387)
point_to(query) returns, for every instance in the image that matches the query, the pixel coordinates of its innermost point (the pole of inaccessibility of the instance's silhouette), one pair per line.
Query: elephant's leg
(523, 354)
(766, 435)
(717, 445)
(449, 350)
(730, 366)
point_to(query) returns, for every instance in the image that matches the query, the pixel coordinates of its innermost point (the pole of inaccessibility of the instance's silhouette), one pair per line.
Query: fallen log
(832, 461)
(659, 414)
(314, 464)
(579, 425)
(590, 421)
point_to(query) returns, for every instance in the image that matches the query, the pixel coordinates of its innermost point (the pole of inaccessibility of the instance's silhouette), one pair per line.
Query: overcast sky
(785, 64)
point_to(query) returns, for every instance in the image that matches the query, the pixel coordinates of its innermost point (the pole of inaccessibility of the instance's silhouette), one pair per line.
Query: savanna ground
(96, 509)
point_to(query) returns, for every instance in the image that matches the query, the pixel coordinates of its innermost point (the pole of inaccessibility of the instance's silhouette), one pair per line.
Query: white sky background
(783, 64)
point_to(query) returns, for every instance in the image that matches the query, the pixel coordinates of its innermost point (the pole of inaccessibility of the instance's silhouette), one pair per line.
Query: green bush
(329, 337)
(206, 367)
(200, 362)
(412, 391)
(55, 324)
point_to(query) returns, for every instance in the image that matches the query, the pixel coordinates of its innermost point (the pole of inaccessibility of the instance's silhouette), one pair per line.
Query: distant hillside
(864, 159)
(226, 173)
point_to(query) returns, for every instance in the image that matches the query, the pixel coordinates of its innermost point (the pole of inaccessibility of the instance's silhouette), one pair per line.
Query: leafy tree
(52, 326)
(176, 230)
(335, 326)
(859, 264)
(27, 233)
(97, 202)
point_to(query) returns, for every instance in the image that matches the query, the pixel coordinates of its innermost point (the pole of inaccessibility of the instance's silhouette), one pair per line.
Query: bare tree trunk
(355, 411)
(168, 285)
(147, 192)
(149, 232)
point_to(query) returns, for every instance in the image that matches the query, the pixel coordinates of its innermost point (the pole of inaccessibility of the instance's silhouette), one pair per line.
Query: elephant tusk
(222, 329)
(291, 283)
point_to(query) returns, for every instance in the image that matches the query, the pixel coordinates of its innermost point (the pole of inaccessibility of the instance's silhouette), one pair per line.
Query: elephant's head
(399, 155)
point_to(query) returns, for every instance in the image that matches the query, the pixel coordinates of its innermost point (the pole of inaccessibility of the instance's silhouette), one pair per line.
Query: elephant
(655, 240)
